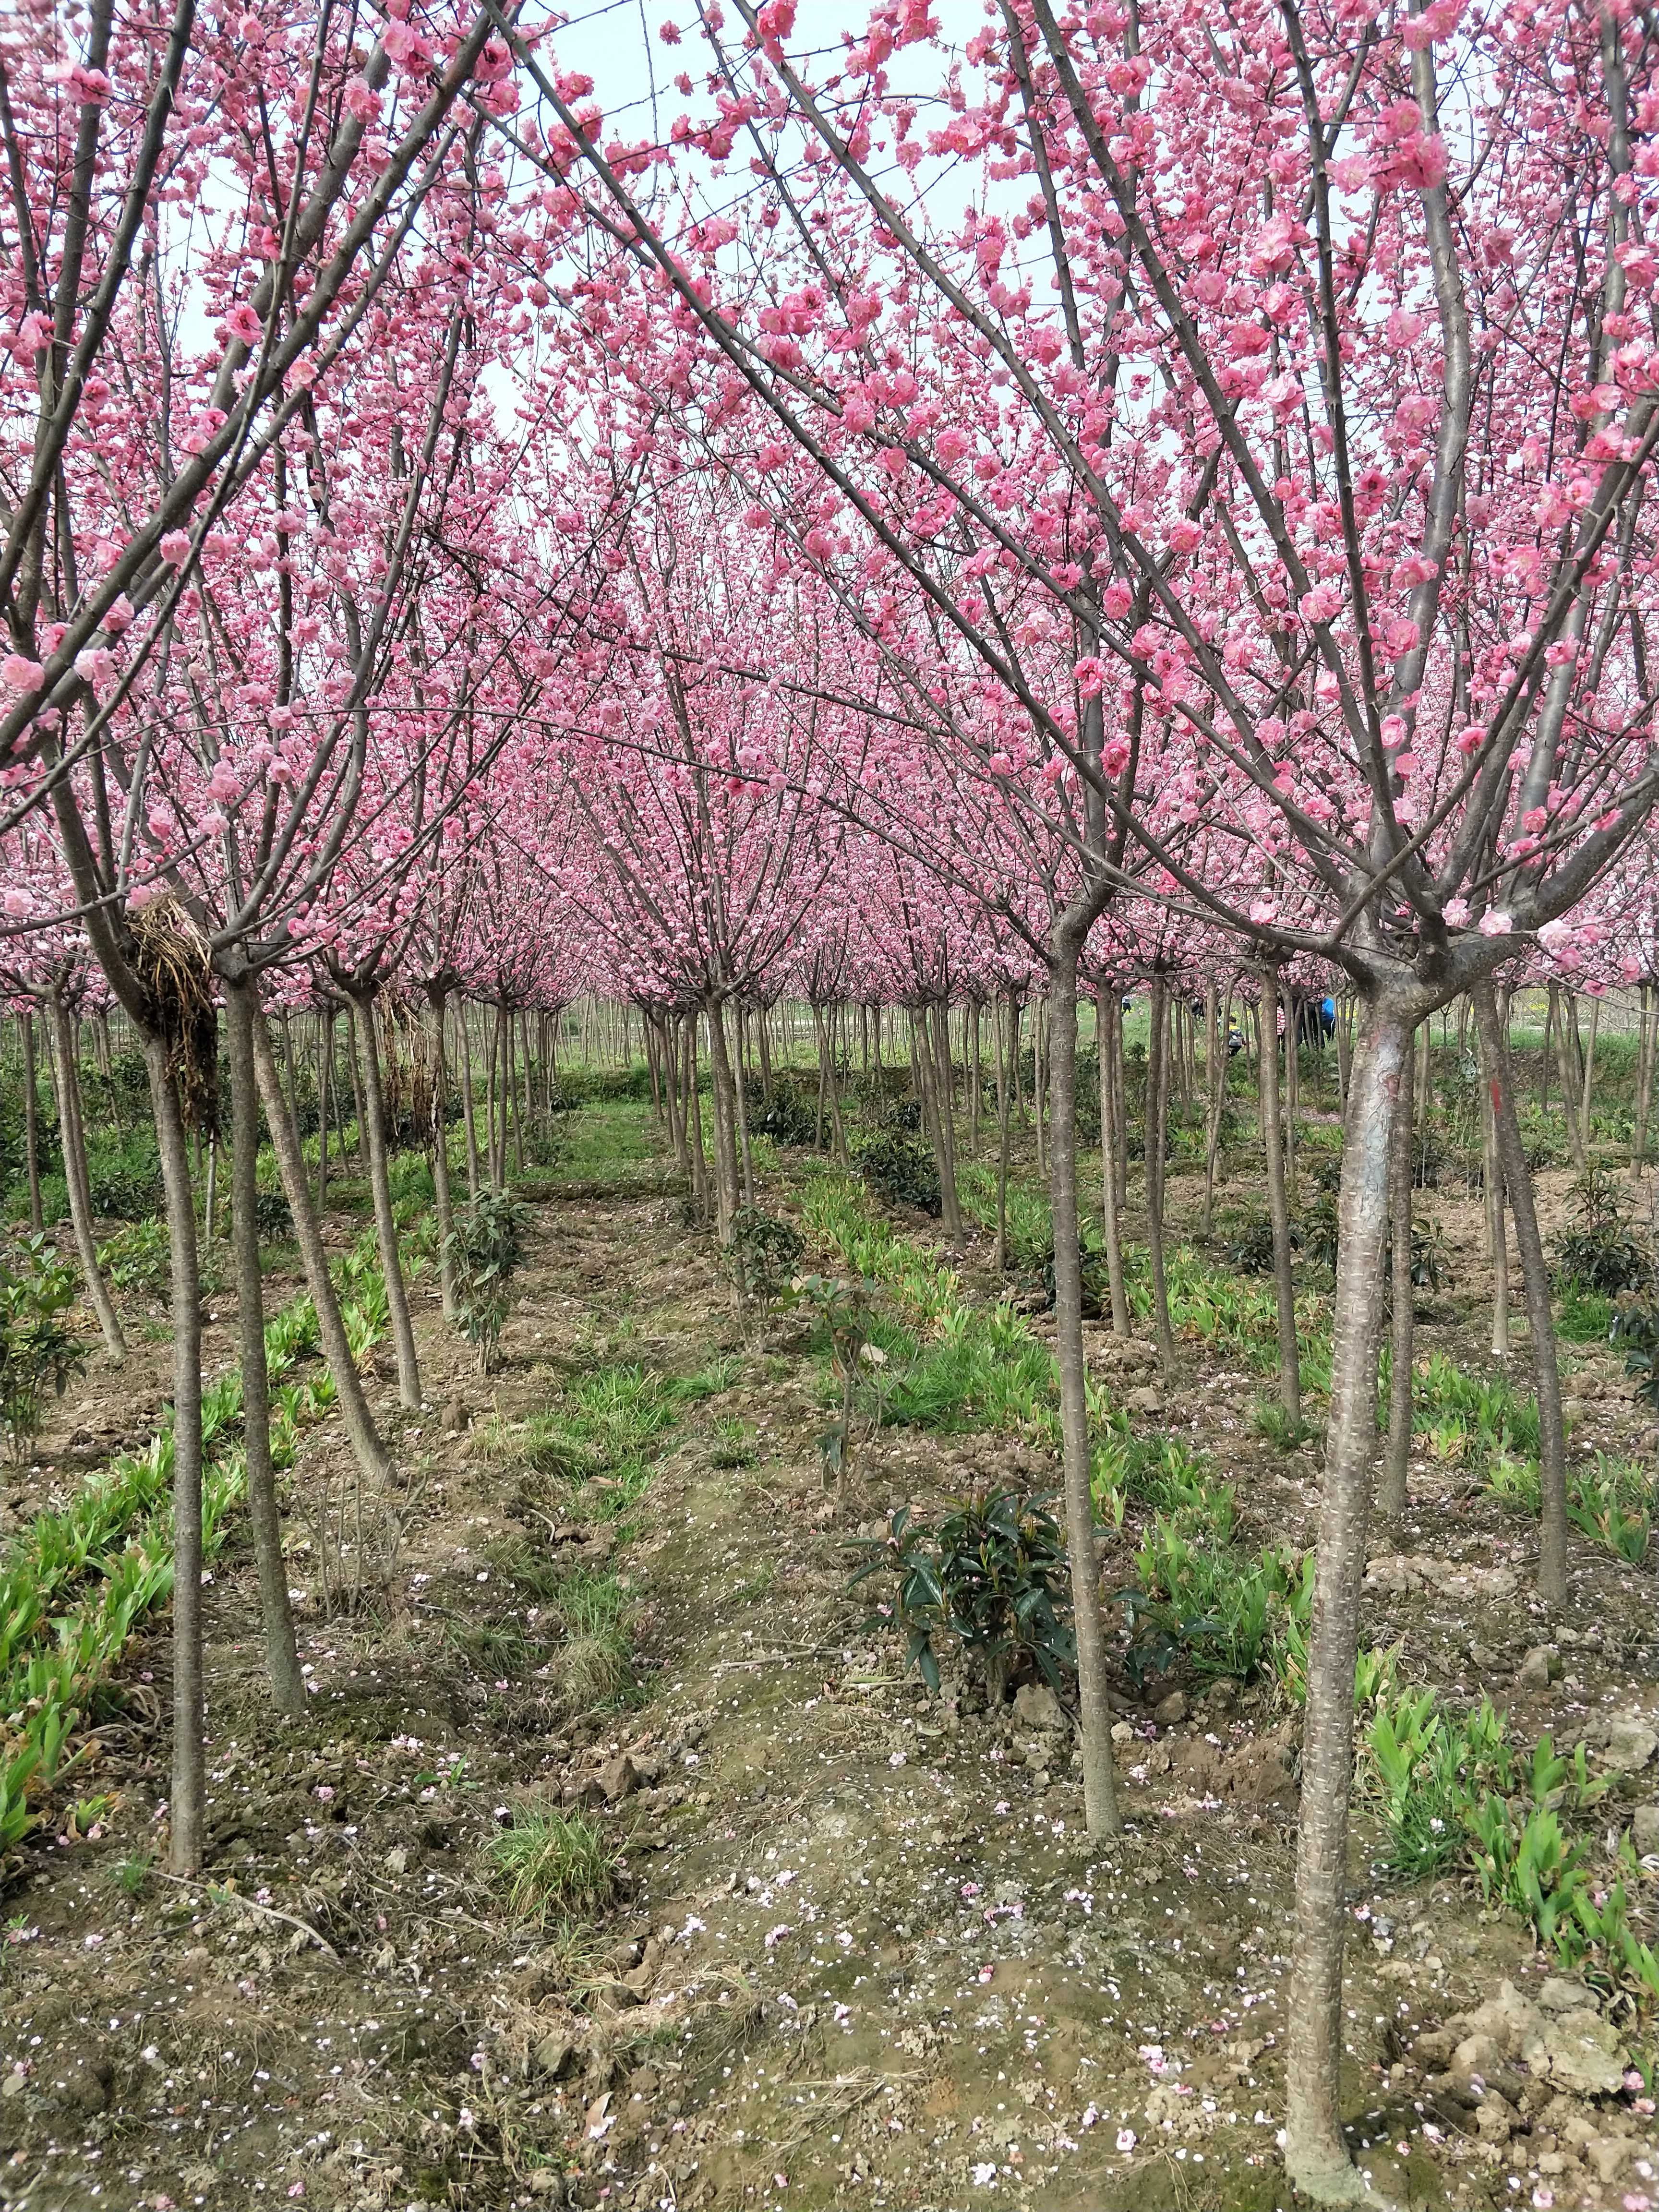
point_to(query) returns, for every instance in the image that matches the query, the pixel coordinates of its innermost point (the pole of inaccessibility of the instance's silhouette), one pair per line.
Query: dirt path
(860, 1951)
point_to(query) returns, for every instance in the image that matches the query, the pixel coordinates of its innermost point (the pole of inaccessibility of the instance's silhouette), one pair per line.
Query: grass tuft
(556, 1865)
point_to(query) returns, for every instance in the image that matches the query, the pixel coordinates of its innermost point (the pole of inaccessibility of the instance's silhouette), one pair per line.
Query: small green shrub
(990, 1578)
(791, 1115)
(273, 1218)
(556, 1865)
(123, 1174)
(484, 1248)
(38, 1347)
(1603, 1254)
(762, 1257)
(899, 1170)
(1251, 1250)
(844, 1309)
(138, 1257)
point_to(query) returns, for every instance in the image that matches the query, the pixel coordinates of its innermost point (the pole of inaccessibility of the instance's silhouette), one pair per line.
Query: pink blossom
(22, 673)
(175, 548)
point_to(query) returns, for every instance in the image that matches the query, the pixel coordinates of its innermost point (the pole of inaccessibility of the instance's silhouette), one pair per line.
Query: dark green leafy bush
(1603, 1253)
(790, 1116)
(990, 1579)
(900, 1170)
(123, 1174)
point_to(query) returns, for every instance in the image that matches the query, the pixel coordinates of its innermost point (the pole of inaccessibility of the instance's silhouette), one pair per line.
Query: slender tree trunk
(1566, 1034)
(1158, 1093)
(188, 1804)
(740, 1100)
(73, 1144)
(1589, 1071)
(356, 1088)
(1215, 1081)
(725, 1138)
(1397, 1455)
(940, 1023)
(363, 1437)
(829, 1088)
(32, 1127)
(288, 1688)
(1101, 1814)
(468, 1103)
(694, 1119)
(1540, 1321)
(380, 1175)
(1289, 1373)
(972, 1017)
(442, 1202)
(1004, 1099)
(1343, 1049)
(1040, 1082)
(1638, 1149)
(1316, 2155)
(1108, 1028)
(324, 1102)
(1550, 1013)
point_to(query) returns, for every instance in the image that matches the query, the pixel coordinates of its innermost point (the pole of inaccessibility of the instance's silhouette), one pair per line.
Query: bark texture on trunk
(188, 1804)
(32, 1127)
(1100, 1804)
(364, 1437)
(1279, 1207)
(1157, 1107)
(1541, 1320)
(1316, 2154)
(287, 1687)
(1391, 1490)
(72, 1139)
(443, 1203)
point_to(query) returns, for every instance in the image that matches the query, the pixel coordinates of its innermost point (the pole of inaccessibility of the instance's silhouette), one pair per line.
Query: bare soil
(863, 1952)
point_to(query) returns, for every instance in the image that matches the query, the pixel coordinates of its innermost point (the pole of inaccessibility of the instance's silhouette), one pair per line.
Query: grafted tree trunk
(362, 1434)
(1101, 1813)
(1391, 1490)
(1289, 1373)
(1540, 1321)
(72, 1140)
(1316, 2154)
(187, 1802)
(288, 1688)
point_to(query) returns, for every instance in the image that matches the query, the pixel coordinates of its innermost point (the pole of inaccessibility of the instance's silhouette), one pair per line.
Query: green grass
(1586, 1316)
(599, 1438)
(593, 1665)
(554, 1865)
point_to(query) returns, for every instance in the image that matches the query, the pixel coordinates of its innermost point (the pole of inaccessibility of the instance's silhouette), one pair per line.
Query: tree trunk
(829, 1089)
(1101, 1814)
(1541, 1321)
(32, 1127)
(1316, 2155)
(1589, 1071)
(188, 1804)
(442, 1203)
(1215, 1083)
(740, 1100)
(325, 1102)
(726, 1135)
(1108, 1022)
(1638, 1151)
(1289, 1375)
(72, 1141)
(362, 1434)
(1005, 1101)
(468, 1105)
(1566, 1031)
(288, 1688)
(1391, 1490)
(380, 1175)
(946, 1109)
(1158, 1093)
(694, 1120)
